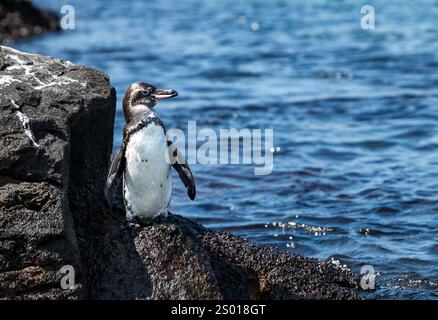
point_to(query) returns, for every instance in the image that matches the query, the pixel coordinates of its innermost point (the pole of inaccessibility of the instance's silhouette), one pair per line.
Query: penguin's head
(141, 96)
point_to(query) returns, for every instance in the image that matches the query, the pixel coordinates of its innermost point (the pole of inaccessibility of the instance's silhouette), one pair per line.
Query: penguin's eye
(145, 92)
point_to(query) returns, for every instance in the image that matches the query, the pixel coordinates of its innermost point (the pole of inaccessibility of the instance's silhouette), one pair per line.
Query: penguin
(145, 159)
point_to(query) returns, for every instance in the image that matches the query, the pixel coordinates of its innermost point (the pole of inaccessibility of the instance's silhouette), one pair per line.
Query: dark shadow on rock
(115, 269)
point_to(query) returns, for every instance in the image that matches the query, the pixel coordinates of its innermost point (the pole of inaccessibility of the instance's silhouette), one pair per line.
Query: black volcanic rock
(56, 124)
(186, 261)
(56, 131)
(20, 18)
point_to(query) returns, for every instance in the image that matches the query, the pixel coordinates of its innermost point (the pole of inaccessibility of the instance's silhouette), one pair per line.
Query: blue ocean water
(354, 114)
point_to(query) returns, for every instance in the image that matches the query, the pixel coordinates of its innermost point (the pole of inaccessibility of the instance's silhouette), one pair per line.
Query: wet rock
(20, 18)
(56, 124)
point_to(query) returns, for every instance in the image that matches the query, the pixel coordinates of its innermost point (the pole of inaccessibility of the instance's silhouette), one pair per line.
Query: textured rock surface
(56, 123)
(175, 258)
(19, 18)
(187, 261)
(56, 129)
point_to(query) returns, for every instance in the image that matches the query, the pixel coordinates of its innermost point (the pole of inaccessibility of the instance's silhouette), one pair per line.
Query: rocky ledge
(20, 18)
(56, 129)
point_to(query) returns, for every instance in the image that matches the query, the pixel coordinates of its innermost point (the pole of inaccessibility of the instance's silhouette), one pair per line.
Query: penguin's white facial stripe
(139, 87)
(142, 90)
(140, 108)
(144, 95)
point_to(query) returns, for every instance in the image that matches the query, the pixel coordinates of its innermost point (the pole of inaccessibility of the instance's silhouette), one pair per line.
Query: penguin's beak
(160, 94)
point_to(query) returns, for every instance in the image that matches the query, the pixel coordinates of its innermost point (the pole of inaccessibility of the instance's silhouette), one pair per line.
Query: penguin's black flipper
(179, 164)
(113, 178)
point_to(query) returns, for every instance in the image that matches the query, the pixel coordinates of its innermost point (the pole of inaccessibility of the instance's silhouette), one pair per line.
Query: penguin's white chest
(147, 179)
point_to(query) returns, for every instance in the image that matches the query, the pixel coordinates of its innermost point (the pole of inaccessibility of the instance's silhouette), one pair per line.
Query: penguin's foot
(133, 225)
(138, 222)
